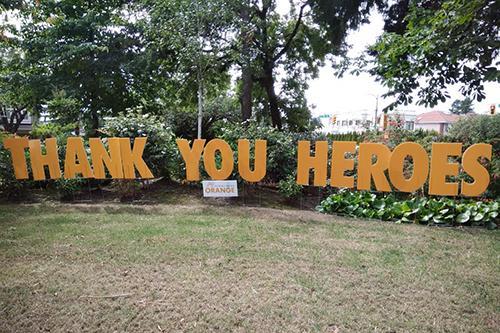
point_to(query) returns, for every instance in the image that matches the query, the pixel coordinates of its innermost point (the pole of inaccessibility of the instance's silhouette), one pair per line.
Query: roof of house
(436, 117)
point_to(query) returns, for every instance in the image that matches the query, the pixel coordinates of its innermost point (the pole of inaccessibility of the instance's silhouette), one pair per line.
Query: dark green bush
(52, 130)
(397, 135)
(420, 210)
(352, 136)
(184, 121)
(477, 128)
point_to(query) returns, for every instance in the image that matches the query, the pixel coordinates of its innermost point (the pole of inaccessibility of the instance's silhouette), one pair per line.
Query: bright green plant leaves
(420, 210)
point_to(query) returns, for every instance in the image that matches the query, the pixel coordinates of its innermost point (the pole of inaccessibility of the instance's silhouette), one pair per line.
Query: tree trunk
(200, 102)
(246, 71)
(268, 83)
(12, 123)
(94, 119)
(246, 93)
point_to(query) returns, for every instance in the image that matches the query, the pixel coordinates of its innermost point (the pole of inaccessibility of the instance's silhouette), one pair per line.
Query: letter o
(227, 164)
(420, 167)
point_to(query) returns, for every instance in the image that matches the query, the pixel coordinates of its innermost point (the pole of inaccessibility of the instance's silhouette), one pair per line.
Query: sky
(330, 95)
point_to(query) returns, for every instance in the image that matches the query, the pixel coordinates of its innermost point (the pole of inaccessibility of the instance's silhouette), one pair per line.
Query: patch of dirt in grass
(161, 191)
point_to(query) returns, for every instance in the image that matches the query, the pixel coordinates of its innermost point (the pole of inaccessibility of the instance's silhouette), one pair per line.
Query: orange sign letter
(191, 157)
(50, 159)
(76, 151)
(440, 168)
(260, 162)
(340, 164)
(420, 167)
(367, 170)
(16, 146)
(227, 159)
(100, 158)
(474, 169)
(319, 163)
(132, 158)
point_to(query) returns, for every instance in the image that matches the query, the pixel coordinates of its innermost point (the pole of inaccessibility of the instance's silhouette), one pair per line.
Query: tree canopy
(462, 106)
(430, 45)
(294, 46)
(87, 60)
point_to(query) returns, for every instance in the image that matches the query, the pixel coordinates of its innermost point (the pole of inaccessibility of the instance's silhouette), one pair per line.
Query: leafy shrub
(68, 187)
(161, 153)
(481, 129)
(477, 128)
(352, 136)
(281, 146)
(184, 121)
(397, 135)
(10, 187)
(289, 188)
(420, 210)
(52, 130)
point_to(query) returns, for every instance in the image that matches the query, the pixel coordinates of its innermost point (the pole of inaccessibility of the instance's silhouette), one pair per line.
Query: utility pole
(376, 110)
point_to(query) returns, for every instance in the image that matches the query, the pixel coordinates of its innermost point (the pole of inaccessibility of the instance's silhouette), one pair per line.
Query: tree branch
(16, 118)
(293, 34)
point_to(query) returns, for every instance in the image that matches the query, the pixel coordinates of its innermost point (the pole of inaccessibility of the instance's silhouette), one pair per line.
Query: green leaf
(437, 220)
(463, 218)
(478, 217)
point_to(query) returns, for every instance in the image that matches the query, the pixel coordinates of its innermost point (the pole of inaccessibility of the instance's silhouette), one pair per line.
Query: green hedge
(422, 210)
(481, 129)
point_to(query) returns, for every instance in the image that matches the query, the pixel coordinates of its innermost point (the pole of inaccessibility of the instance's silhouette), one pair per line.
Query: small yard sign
(220, 188)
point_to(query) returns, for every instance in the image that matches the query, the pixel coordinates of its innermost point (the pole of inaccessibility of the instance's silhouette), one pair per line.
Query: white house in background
(340, 123)
(435, 120)
(408, 118)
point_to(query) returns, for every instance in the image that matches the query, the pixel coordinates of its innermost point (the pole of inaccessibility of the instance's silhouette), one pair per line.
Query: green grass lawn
(198, 268)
